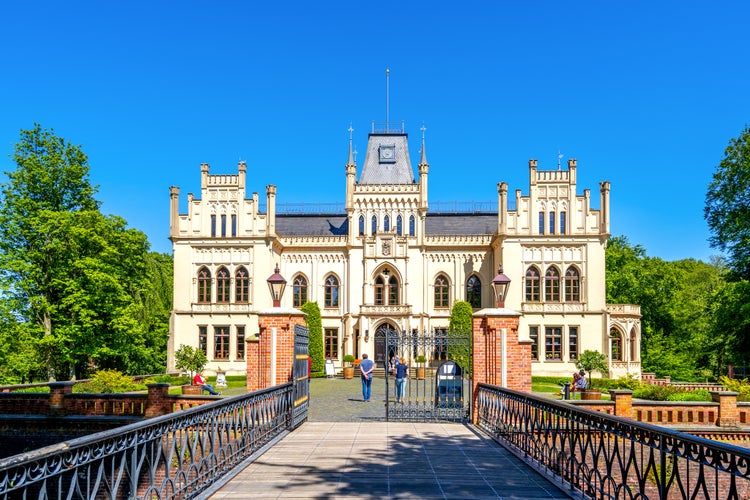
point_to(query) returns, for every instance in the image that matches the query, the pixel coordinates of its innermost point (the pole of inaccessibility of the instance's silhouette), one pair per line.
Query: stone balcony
(382, 310)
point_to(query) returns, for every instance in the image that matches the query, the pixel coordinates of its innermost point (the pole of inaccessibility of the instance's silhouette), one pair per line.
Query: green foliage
(628, 382)
(349, 358)
(669, 393)
(315, 328)
(728, 204)
(190, 359)
(108, 382)
(460, 335)
(592, 361)
(742, 387)
(420, 359)
(76, 283)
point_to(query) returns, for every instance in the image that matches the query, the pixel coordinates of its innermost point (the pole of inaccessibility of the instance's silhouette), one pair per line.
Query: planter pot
(420, 373)
(348, 372)
(591, 394)
(191, 389)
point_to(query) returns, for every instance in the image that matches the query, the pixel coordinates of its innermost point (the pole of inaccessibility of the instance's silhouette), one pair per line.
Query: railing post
(157, 403)
(729, 415)
(57, 392)
(623, 399)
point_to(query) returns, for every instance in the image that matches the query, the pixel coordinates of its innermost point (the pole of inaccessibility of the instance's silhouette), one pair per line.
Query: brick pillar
(729, 415)
(623, 399)
(157, 402)
(276, 327)
(57, 392)
(500, 357)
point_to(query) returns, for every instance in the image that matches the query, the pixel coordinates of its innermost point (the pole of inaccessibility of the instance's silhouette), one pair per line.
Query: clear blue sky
(644, 94)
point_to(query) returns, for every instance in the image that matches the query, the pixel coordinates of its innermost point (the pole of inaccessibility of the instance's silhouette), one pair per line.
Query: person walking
(366, 367)
(402, 374)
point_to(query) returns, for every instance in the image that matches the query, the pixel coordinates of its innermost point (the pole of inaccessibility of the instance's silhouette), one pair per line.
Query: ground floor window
(240, 342)
(534, 336)
(553, 343)
(331, 338)
(573, 343)
(441, 344)
(203, 339)
(221, 342)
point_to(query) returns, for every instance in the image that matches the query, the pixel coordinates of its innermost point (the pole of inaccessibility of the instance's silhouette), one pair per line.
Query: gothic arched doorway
(381, 356)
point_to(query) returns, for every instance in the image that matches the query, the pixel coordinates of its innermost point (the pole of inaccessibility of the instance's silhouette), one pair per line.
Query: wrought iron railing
(601, 456)
(181, 455)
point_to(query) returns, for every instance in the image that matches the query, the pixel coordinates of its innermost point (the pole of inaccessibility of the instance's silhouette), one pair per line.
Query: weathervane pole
(387, 75)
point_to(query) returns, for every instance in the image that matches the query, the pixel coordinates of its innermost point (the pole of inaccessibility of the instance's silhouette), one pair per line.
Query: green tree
(727, 208)
(77, 281)
(315, 330)
(459, 335)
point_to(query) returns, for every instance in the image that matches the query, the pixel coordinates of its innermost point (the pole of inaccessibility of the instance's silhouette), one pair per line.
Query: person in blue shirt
(366, 367)
(402, 373)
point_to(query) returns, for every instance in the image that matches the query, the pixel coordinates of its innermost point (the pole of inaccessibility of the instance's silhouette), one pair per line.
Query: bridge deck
(337, 460)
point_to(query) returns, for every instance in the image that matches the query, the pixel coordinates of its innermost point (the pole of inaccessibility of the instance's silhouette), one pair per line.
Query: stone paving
(347, 451)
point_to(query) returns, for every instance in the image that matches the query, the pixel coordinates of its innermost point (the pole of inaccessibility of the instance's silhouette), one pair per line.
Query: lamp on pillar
(501, 283)
(276, 283)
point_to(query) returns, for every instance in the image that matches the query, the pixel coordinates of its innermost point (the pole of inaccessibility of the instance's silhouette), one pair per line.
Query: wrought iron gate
(438, 387)
(301, 390)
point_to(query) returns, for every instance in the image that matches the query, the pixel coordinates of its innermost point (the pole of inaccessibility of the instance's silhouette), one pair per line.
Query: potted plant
(191, 360)
(349, 369)
(592, 361)
(421, 360)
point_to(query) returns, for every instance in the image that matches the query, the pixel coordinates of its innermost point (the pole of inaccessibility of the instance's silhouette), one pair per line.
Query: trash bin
(449, 386)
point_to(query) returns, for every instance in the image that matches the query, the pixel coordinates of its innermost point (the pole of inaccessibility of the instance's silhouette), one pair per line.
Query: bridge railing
(603, 456)
(173, 456)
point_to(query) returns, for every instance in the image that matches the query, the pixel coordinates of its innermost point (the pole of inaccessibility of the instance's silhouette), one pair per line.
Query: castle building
(387, 261)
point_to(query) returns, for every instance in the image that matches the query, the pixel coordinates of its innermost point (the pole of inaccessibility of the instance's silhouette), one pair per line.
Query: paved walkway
(346, 451)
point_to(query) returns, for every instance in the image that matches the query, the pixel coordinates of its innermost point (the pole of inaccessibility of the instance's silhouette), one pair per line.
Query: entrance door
(381, 352)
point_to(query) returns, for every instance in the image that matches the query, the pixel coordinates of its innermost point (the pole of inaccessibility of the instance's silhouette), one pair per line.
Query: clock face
(387, 152)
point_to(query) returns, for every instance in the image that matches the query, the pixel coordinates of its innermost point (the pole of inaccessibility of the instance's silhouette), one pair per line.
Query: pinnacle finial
(351, 160)
(423, 159)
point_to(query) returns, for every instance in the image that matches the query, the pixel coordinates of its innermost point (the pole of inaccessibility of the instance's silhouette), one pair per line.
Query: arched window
(361, 225)
(616, 345)
(241, 285)
(392, 291)
(386, 289)
(441, 291)
(474, 291)
(552, 285)
(204, 285)
(379, 291)
(541, 222)
(412, 226)
(399, 225)
(533, 285)
(222, 285)
(332, 292)
(572, 285)
(386, 224)
(299, 291)
(374, 224)
(562, 223)
(552, 223)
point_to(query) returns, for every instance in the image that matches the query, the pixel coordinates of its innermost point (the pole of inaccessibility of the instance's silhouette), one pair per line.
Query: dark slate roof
(312, 225)
(398, 172)
(461, 224)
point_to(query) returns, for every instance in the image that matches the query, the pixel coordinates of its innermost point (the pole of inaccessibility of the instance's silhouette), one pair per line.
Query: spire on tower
(423, 159)
(351, 160)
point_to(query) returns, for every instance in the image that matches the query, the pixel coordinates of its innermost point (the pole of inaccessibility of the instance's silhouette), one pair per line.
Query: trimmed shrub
(315, 329)
(108, 382)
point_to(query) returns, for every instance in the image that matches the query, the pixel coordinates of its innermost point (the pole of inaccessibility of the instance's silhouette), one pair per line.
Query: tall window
(379, 291)
(534, 336)
(412, 226)
(386, 289)
(374, 224)
(441, 291)
(399, 225)
(332, 292)
(221, 342)
(616, 343)
(241, 285)
(552, 285)
(392, 291)
(234, 225)
(541, 222)
(222, 285)
(572, 285)
(552, 223)
(361, 225)
(240, 342)
(331, 343)
(553, 343)
(474, 291)
(441, 344)
(223, 225)
(203, 339)
(573, 342)
(633, 346)
(299, 291)
(213, 226)
(204, 285)
(386, 224)
(562, 222)
(533, 285)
